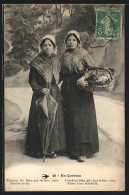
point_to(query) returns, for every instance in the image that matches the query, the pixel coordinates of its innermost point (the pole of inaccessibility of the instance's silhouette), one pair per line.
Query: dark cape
(79, 108)
(44, 73)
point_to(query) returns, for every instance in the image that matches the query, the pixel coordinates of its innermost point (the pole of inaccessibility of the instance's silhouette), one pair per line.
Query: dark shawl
(47, 66)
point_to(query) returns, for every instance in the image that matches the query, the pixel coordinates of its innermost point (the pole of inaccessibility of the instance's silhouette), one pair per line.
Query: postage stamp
(108, 23)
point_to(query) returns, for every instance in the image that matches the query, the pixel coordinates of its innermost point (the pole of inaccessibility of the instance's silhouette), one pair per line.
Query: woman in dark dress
(43, 79)
(79, 108)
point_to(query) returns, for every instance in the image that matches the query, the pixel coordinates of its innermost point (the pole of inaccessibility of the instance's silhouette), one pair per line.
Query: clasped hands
(46, 91)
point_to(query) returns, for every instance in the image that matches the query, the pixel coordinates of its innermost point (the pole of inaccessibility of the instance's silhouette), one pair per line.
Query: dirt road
(109, 160)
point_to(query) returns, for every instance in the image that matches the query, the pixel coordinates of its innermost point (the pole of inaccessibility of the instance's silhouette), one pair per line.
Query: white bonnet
(52, 38)
(73, 32)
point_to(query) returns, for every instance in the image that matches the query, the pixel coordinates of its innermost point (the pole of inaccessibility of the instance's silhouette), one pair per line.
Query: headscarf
(72, 32)
(50, 37)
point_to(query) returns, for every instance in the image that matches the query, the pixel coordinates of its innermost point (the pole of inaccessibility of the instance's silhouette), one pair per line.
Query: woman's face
(47, 47)
(71, 42)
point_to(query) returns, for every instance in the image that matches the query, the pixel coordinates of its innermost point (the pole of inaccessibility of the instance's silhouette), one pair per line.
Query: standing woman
(43, 79)
(79, 108)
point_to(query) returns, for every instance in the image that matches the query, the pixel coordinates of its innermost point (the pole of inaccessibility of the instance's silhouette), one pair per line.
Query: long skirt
(80, 123)
(57, 140)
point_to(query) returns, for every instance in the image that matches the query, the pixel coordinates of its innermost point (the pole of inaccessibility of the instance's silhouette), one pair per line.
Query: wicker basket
(102, 80)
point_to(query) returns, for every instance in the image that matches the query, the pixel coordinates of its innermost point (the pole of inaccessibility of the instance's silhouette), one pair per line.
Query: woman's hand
(46, 91)
(82, 82)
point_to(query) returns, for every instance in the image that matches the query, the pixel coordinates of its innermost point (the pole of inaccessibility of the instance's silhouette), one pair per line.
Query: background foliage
(29, 23)
(25, 25)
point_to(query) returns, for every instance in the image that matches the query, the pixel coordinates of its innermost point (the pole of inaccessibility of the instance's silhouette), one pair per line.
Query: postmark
(108, 23)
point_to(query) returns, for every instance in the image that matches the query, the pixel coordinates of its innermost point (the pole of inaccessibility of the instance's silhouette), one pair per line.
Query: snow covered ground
(107, 164)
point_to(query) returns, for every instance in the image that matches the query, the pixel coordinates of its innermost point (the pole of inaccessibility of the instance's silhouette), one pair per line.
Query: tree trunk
(43, 23)
(70, 12)
(57, 21)
(61, 14)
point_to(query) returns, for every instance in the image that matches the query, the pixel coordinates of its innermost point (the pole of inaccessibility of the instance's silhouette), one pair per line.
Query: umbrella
(47, 108)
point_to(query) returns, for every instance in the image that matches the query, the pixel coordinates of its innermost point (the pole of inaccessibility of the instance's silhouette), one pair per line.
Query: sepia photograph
(64, 97)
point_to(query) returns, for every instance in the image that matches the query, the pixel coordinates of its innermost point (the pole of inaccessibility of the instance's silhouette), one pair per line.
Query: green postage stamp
(108, 23)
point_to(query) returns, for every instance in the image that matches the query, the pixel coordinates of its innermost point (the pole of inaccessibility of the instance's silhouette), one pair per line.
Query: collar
(46, 57)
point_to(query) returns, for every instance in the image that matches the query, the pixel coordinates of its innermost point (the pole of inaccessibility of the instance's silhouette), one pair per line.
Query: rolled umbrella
(47, 108)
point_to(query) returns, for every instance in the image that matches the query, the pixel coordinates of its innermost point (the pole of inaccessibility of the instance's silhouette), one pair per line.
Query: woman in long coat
(79, 108)
(43, 79)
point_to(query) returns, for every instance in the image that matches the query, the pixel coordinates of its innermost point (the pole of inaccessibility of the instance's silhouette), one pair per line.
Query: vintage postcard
(64, 72)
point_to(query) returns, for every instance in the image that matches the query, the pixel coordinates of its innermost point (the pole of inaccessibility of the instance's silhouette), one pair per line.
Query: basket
(102, 80)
